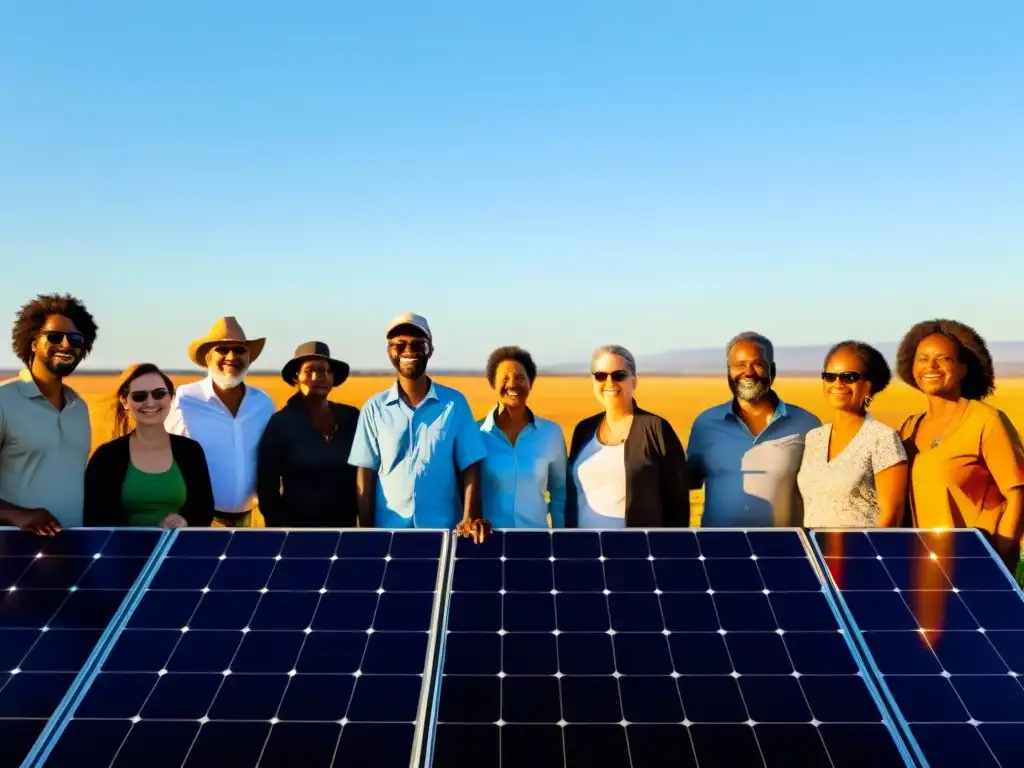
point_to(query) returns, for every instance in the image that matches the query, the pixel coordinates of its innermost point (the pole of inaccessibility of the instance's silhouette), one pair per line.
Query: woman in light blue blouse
(526, 456)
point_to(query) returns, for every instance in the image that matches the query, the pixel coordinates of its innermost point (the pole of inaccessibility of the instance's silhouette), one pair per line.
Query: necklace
(614, 438)
(952, 420)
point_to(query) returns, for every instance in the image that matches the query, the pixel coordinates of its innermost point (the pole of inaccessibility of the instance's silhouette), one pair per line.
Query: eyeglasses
(615, 375)
(416, 345)
(224, 351)
(141, 395)
(847, 377)
(76, 340)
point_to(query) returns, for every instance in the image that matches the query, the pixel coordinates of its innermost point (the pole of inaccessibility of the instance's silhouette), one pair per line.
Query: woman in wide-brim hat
(314, 350)
(303, 475)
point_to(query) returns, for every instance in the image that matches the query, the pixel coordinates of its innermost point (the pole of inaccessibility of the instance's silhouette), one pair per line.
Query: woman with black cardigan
(145, 476)
(627, 467)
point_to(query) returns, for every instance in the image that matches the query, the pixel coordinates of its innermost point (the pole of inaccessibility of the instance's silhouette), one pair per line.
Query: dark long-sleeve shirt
(303, 480)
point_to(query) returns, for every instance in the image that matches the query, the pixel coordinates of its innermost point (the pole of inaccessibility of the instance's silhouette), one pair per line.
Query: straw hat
(225, 331)
(314, 350)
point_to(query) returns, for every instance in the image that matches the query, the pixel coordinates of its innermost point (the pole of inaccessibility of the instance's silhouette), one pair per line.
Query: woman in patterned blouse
(854, 471)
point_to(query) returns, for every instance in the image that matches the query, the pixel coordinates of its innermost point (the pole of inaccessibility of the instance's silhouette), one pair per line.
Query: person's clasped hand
(476, 529)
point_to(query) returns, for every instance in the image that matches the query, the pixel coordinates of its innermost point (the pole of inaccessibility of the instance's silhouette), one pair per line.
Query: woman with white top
(626, 466)
(854, 471)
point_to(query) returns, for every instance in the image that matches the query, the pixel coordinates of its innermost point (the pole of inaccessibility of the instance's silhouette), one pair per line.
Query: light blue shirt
(514, 478)
(418, 455)
(749, 482)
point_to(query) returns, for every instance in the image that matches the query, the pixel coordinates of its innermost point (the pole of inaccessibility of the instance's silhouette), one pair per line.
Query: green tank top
(149, 498)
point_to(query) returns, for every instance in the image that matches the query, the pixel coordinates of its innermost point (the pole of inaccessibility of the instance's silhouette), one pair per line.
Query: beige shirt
(43, 451)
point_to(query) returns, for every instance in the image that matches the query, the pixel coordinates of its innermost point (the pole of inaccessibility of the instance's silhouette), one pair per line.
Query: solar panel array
(633, 648)
(57, 596)
(268, 648)
(639, 649)
(942, 623)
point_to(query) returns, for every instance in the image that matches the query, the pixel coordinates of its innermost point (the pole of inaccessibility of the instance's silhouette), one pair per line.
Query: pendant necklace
(618, 437)
(952, 420)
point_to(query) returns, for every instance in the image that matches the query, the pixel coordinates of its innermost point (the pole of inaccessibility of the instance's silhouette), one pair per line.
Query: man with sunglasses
(45, 437)
(417, 447)
(746, 452)
(226, 416)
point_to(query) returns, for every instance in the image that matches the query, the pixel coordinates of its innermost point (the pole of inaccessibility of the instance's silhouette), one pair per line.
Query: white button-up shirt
(229, 442)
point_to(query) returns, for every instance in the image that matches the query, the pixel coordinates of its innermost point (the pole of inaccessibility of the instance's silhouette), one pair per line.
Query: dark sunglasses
(140, 395)
(416, 345)
(616, 375)
(76, 340)
(225, 350)
(847, 377)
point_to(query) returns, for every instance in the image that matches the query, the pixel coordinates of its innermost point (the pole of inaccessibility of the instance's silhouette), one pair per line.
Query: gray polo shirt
(749, 482)
(43, 451)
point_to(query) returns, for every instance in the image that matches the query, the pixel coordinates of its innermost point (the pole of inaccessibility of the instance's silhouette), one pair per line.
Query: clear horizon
(557, 176)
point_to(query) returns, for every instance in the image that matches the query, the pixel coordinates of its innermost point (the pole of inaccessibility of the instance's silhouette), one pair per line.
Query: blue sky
(553, 174)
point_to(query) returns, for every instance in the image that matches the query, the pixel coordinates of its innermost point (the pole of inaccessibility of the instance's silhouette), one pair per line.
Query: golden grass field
(568, 399)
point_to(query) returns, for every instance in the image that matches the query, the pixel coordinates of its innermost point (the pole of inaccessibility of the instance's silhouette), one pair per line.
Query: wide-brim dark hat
(314, 350)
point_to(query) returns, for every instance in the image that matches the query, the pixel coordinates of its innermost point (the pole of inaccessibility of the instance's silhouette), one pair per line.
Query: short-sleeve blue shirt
(514, 478)
(749, 481)
(418, 455)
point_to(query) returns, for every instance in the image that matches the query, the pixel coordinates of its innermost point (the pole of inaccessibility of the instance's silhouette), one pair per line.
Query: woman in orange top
(966, 458)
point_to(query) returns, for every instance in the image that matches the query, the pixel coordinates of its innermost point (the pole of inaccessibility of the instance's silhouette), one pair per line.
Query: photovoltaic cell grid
(638, 649)
(944, 625)
(268, 648)
(57, 596)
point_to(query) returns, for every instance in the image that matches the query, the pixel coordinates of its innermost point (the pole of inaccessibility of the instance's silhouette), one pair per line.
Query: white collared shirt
(229, 442)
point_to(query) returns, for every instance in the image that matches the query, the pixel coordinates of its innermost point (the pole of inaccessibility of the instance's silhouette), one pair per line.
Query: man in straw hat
(417, 446)
(225, 416)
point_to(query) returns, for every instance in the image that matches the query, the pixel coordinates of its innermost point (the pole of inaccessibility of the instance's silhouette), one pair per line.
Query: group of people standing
(212, 451)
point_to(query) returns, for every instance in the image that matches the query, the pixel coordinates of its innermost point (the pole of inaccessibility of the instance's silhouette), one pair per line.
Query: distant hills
(1008, 357)
(807, 359)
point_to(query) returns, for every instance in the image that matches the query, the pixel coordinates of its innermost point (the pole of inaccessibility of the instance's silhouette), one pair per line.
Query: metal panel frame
(55, 727)
(58, 723)
(809, 554)
(855, 629)
(429, 723)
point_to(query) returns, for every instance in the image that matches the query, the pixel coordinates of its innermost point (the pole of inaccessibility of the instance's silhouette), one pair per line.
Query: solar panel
(942, 624)
(268, 648)
(636, 649)
(57, 596)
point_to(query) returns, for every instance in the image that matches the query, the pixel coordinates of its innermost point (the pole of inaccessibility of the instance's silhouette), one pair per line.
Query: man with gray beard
(226, 416)
(746, 452)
